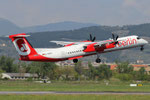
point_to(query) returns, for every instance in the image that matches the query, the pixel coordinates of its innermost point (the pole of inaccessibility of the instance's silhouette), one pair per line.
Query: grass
(74, 97)
(71, 86)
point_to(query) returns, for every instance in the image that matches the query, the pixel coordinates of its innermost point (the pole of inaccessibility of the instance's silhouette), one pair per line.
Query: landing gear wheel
(98, 60)
(142, 48)
(75, 60)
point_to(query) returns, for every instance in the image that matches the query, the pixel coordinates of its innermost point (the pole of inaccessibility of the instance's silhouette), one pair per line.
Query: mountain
(7, 27)
(141, 29)
(60, 26)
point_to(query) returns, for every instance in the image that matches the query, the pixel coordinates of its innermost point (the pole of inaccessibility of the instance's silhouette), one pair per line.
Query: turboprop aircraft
(74, 50)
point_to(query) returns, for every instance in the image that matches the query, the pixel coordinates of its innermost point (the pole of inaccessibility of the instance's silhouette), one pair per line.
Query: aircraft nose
(145, 42)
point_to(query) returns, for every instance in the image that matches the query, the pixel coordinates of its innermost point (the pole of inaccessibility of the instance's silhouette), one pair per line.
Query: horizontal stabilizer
(18, 35)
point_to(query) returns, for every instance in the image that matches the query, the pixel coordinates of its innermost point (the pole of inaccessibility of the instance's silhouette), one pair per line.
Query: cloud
(105, 12)
(129, 2)
(140, 5)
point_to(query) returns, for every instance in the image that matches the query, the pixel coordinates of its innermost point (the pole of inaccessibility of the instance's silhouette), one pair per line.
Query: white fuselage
(77, 50)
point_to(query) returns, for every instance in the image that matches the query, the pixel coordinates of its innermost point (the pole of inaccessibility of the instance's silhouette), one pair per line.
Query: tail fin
(22, 45)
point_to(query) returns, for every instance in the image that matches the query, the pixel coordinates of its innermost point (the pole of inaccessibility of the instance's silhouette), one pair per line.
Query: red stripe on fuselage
(38, 57)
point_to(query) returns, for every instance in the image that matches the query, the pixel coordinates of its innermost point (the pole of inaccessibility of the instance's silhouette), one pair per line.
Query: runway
(67, 93)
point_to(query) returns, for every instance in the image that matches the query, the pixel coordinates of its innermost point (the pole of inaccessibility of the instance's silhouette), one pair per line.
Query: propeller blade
(90, 37)
(113, 36)
(93, 39)
(117, 37)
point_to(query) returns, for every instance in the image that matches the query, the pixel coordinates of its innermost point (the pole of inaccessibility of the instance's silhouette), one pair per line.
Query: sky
(104, 12)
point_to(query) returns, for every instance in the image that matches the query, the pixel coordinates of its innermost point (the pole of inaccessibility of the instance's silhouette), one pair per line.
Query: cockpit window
(138, 38)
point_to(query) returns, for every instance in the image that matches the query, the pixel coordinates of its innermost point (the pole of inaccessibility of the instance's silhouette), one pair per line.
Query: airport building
(18, 76)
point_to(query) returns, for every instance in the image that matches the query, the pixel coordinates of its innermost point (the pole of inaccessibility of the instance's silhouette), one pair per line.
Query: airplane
(73, 50)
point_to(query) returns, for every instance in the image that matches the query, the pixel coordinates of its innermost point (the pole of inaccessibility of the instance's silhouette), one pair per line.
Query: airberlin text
(127, 42)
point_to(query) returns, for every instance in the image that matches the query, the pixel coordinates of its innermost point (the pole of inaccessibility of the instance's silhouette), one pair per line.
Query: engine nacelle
(89, 48)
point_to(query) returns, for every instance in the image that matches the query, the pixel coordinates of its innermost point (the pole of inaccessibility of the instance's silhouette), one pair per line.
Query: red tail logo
(22, 46)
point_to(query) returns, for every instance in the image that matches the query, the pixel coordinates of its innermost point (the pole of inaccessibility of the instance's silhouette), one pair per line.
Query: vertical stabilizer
(22, 45)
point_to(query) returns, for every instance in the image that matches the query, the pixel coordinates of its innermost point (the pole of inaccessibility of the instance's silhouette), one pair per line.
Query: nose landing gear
(142, 48)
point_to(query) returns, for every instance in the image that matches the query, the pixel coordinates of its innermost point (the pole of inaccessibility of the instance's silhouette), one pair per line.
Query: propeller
(92, 38)
(115, 38)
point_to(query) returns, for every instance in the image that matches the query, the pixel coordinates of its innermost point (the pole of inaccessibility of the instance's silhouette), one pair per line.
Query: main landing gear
(75, 60)
(98, 60)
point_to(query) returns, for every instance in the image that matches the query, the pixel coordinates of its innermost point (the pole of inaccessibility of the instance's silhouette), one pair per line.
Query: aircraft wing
(86, 43)
(66, 43)
(62, 42)
(104, 42)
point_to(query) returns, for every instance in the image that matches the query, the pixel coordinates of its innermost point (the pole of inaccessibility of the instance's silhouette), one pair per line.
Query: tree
(104, 72)
(1, 71)
(49, 70)
(78, 68)
(35, 67)
(142, 71)
(43, 69)
(124, 67)
(58, 73)
(124, 76)
(91, 72)
(68, 72)
(7, 64)
(22, 67)
(142, 75)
